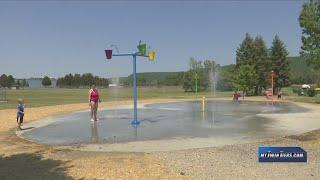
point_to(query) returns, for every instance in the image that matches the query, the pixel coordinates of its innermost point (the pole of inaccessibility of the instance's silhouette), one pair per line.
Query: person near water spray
(236, 96)
(94, 99)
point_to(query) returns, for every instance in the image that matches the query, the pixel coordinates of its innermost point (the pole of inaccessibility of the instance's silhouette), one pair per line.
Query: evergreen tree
(244, 53)
(280, 63)
(310, 23)
(261, 64)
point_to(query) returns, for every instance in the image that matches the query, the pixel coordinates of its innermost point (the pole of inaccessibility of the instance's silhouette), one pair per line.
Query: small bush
(295, 90)
(317, 99)
(300, 92)
(311, 92)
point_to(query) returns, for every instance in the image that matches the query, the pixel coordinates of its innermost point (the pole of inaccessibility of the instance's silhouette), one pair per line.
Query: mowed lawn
(54, 96)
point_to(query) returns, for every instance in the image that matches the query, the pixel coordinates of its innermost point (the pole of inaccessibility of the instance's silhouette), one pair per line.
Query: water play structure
(142, 52)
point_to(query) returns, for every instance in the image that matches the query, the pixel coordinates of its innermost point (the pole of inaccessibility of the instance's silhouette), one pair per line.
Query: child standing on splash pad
(20, 113)
(94, 99)
(236, 96)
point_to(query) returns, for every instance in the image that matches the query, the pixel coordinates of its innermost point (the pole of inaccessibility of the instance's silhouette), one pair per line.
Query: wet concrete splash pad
(165, 121)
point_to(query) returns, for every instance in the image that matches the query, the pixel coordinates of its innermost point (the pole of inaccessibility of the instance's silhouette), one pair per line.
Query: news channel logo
(281, 154)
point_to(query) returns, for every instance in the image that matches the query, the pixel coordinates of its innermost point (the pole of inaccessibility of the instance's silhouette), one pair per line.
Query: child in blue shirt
(20, 113)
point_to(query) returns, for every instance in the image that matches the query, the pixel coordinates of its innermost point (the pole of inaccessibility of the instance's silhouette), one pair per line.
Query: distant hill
(152, 78)
(156, 75)
(300, 73)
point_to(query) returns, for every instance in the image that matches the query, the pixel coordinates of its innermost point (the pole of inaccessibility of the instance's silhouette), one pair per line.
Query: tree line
(84, 80)
(154, 79)
(8, 81)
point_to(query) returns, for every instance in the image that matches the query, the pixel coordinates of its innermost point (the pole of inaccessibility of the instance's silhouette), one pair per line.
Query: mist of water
(213, 78)
(114, 93)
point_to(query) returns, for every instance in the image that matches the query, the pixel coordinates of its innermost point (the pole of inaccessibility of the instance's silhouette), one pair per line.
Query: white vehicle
(305, 86)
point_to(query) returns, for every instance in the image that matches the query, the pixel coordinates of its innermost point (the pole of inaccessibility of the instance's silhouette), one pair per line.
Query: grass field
(54, 96)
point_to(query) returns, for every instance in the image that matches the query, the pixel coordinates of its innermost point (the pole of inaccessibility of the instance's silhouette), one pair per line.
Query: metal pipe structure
(135, 120)
(142, 52)
(273, 74)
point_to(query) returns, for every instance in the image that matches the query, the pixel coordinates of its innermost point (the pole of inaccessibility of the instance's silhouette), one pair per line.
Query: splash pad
(164, 122)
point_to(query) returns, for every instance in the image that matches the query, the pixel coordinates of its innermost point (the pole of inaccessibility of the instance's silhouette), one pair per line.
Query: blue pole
(135, 121)
(135, 114)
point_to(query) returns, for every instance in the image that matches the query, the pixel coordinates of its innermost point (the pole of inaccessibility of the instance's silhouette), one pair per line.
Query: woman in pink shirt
(94, 99)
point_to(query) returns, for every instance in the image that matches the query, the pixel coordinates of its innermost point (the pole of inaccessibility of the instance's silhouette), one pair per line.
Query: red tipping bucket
(108, 53)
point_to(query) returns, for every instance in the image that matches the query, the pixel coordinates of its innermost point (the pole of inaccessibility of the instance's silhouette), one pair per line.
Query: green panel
(142, 49)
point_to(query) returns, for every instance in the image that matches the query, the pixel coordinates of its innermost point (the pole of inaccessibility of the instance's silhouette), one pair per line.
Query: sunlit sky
(54, 37)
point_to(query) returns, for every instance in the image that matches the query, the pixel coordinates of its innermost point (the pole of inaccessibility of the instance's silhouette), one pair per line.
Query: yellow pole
(203, 103)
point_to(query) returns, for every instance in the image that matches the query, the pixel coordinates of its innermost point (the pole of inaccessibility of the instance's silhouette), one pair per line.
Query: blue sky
(54, 38)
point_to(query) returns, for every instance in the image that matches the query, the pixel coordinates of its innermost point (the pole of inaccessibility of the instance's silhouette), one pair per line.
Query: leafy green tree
(204, 81)
(195, 65)
(188, 81)
(4, 80)
(46, 81)
(261, 64)
(210, 65)
(18, 83)
(245, 53)
(280, 63)
(194, 76)
(87, 79)
(68, 80)
(24, 83)
(10, 81)
(225, 77)
(244, 78)
(310, 23)
(200, 74)
(76, 80)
